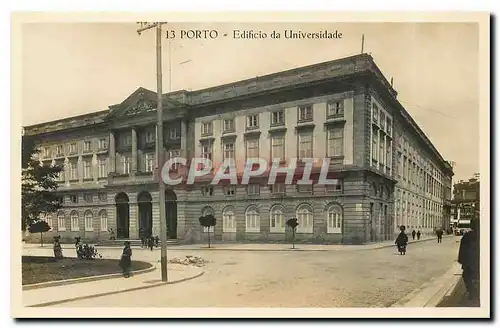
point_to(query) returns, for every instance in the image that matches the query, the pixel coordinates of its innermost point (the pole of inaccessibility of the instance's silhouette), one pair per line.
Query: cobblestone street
(342, 278)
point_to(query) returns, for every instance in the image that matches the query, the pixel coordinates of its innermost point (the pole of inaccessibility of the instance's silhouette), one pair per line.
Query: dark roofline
(69, 118)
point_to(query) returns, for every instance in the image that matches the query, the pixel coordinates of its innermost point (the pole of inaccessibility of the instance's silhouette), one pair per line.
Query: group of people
(150, 242)
(468, 256)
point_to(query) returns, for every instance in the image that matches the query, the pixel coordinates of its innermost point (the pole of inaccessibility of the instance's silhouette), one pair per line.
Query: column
(112, 153)
(133, 221)
(184, 151)
(134, 150)
(79, 168)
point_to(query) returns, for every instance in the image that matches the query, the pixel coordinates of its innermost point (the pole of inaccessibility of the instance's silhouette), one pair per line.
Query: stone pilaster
(134, 221)
(184, 152)
(112, 153)
(79, 168)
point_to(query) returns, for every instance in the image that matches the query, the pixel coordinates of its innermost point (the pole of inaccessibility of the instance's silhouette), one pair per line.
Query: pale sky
(73, 69)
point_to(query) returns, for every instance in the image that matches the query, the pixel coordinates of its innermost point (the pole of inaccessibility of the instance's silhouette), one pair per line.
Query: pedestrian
(157, 241)
(402, 241)
(413, 233)
(418, 234)
(126, 260)
(439, 233)
(151, 242)
(111, 234)
(468, 257)
(57, 248)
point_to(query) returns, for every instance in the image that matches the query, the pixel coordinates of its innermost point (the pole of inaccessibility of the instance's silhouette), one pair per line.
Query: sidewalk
(61, 294)
(267, 246)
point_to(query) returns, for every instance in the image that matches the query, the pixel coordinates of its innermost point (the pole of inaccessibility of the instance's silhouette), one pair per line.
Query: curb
(56, 283)
(79, 298)
(437, 292)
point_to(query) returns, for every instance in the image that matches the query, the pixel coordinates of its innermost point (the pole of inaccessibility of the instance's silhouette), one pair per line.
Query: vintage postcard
(320, 165)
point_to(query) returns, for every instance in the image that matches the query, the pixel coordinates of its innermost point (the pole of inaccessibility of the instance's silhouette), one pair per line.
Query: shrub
(87, 252)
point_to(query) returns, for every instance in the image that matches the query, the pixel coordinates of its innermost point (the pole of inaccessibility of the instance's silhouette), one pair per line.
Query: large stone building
(387, 171)
(465, 203)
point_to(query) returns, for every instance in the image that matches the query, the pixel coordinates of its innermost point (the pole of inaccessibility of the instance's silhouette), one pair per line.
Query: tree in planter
(208, 221)
(39, 227)
(38, 185)
(293, 223)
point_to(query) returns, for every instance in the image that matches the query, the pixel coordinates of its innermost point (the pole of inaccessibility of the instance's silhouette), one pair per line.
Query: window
(252, 148)
(103, 197)
(334, 219)
(389, 126)
(72, 148)
(103, 143)
(334, 188)
(87, 198)
(74, 221)
(87, 169)
(335, 142)
(375, 144)
(381, 158)
(73, 199)
(230, 191)
(127, 140)
(252, 122)
(253, 189)
(73, 171)
(204, 212)
(150, 162)
(103, 168)
(229, 152)
(207, 191)
(87, 146)
(126, 164)
(277, 219)
(278, 147)
(88, 221)
(335, 109)
(103, 216)
(228, 220)
(59, 150)
(375, 112)
(382, 120)
(278, 188)
(308, 189)
(175, 133)
(252, 219)
(206, 151)
(305, 219)
(47, 218)
(305, 145)
(60, 176)
(206, 128)
(149, 137)
(228, 125)
(46, 152)
(278, 118)
(305, 113)
(61, 224)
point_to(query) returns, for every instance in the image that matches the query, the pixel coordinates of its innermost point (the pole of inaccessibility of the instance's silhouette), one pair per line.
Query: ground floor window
(88, 221)
(252, 219)
(103, 215)
(74, 221)
(334, 219)
(228, 220)
(305, 219)
(277, 220)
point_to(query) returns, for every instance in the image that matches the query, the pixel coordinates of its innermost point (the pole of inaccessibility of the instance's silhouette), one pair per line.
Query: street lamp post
(159, 145)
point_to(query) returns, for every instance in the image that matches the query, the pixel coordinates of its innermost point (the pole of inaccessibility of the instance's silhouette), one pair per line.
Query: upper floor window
(206, 128)
(305, 145)
(150, 162)
(252, 121)
(149, 136)
(253, 189)
(278, 147)
(336, 141)
(278, 188)
(335, 187)
(87, 169)
(252, 148)
(382, 120)
(228, 125)
(305, 113)
(59, 150)
(46, 152)
(103, 143)
(72, 148)
(126, 164)
(278, 117)
(73, 171)
(389, 126)
(335, 109)
(206, 151)
(375, 112)
(102, 168)
(207, 191)
(87, 146)
(175, 133)
(229, 151)
(230, 191)
(127, 140)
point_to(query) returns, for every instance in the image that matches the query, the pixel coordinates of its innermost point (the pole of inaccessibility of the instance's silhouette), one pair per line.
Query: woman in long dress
(126, 260)
(57, 249)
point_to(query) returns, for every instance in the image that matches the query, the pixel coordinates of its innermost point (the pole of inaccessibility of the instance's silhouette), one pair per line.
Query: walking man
(439, 233)
(468, 256)
(413, 233)
(402, 241)
(418, 235)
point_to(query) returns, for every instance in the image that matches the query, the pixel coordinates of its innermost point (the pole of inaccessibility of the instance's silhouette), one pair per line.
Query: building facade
(465, 203)
(387, 173)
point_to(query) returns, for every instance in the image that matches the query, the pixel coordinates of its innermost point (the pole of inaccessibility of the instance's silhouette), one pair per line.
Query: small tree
(293, 223)
(39, 227)
(208, 221)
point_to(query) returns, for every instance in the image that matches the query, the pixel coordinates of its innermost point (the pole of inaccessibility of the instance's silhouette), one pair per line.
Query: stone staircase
(133, 242)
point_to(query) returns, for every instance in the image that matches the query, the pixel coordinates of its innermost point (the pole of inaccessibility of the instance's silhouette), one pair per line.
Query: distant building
(465, 203)
(388, 173)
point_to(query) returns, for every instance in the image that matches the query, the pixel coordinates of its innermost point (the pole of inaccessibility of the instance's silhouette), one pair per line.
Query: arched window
(103, 215)
(252, 219)
(207, 211)
(277, 220)
(88, 221)
(61, 222)
(74, 221)
(228, 220)
(334, 219)
(304, 218)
